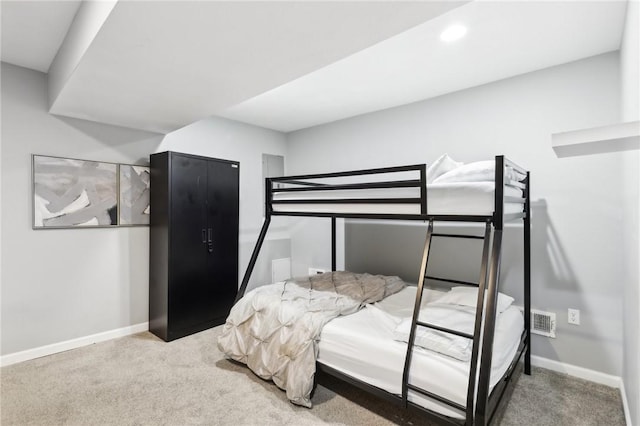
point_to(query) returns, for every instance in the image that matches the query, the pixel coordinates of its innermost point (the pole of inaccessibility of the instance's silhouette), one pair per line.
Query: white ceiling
(160, 65)
(504, 39)
(32, 31)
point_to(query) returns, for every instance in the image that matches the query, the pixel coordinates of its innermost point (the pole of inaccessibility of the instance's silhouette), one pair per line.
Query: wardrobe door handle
(204, 236)
(210, 241)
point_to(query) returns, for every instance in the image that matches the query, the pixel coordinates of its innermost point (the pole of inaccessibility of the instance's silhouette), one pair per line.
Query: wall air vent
(543, 323)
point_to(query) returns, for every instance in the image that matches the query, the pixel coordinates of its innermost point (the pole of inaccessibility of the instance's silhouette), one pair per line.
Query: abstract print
(134, 195)
(73, 193)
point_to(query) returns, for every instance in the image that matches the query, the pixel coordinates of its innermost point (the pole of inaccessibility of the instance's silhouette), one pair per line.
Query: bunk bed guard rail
(509, 174)
(389, 192)
(385, 179)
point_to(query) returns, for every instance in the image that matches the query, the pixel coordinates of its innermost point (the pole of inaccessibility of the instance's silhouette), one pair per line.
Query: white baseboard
(575, 371)
(586, 374)
(625, 404)
(54, 348)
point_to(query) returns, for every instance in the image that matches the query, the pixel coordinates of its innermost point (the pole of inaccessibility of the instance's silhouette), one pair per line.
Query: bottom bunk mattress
(362, 346)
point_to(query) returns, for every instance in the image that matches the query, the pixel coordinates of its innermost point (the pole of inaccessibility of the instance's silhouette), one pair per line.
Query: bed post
(333, 243)
(482, 416)
(268, 186)
(498, 209)
(527, 273)
(423, 189)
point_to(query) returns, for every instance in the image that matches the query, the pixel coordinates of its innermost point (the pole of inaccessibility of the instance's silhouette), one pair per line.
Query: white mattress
(459, 198)
(361, 345)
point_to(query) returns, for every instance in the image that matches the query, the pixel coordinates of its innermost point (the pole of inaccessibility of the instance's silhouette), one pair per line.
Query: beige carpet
(141, 380)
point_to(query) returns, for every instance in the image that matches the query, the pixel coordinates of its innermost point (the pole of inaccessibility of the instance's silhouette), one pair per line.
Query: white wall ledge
(597, 140)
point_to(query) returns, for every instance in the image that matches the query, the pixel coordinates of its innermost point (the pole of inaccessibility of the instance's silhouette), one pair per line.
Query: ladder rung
(437, 397)
(473, 237)
(429, 277)
(518, 200)
(446, 330)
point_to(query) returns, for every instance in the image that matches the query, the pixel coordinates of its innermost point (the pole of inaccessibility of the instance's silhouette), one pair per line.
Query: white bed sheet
(458, 198)
(362, 346)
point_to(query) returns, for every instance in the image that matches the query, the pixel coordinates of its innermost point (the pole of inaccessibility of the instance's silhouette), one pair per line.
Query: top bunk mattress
(456, 198)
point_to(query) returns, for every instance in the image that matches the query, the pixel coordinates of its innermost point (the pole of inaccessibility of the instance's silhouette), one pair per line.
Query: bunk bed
(401, 193)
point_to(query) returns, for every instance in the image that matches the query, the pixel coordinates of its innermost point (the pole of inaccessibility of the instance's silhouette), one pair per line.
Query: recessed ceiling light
(454, 32)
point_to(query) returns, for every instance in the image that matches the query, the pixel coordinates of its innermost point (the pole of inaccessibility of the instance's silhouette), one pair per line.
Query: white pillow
(460, 318)
(468, 296)
(479, 171)
(441, 166)
(514, 174)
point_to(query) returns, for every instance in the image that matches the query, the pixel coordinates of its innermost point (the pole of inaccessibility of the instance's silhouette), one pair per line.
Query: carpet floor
(141, 380)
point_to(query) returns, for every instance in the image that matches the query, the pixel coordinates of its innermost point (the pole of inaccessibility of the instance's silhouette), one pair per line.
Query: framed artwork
(134, 195)
(70, 193)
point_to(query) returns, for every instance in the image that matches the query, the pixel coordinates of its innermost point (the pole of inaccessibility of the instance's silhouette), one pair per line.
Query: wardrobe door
(189, 292)
(222, 209)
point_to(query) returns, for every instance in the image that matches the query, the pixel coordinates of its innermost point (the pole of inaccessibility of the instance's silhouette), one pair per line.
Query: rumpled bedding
(274, 329)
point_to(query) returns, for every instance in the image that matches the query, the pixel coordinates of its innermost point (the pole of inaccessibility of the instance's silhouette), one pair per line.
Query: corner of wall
(630, 63)
(630, 99)
(83, 30)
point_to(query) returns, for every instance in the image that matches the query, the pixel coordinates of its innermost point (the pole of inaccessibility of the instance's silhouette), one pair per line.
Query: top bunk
(495, 190)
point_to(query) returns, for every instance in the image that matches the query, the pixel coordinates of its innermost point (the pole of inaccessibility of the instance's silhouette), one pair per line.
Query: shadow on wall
(133, 144)
(126, 146)
(550, 266)
(555, 269)
(138, 245)
(555, 287)
(396, 248)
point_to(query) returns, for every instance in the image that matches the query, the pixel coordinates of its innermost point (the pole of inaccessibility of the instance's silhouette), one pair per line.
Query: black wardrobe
(193, 259)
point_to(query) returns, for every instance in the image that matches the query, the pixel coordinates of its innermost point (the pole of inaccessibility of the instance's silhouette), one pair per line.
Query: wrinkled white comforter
(274, 329)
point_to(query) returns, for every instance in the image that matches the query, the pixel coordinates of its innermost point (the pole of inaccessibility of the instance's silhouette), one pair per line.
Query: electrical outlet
(316, 271)
(574, 316)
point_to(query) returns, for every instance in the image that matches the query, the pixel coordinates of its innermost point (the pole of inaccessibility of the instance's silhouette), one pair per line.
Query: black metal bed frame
(481, 404)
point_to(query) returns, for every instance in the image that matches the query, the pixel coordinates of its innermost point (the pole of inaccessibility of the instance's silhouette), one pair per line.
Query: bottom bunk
(364, 346)
(355, 327)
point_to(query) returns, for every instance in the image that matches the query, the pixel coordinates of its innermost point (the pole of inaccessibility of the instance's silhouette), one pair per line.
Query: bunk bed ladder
(416, 312)
(475, 337)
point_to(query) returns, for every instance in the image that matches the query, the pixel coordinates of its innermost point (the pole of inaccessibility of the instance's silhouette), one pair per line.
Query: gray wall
(630, 81)
(578, 231)
(222, 138)
(394, 248)
(59, 285)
